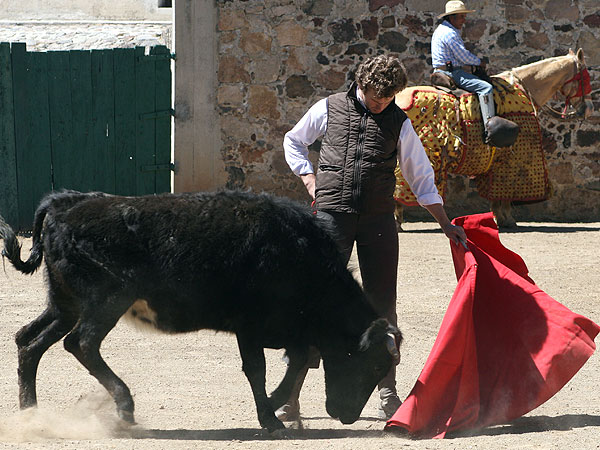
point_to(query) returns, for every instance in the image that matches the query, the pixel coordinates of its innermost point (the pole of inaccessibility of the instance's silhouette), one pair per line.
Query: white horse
(539, 81)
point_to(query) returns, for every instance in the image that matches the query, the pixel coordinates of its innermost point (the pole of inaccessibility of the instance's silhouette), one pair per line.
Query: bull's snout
(344, 416)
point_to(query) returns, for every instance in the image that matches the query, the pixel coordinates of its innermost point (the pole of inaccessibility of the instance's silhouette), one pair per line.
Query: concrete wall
(278, 57)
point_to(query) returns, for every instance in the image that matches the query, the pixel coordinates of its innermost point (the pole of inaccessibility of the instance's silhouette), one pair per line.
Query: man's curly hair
(384, 75)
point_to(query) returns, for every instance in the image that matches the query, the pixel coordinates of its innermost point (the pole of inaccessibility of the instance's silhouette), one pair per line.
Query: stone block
(374, 5)
(232, 70)
(561, 173)
(292, 34)
(262, 102)
(393, 41)
(331, 79)
(299, 86)
(370, 28)
(232, 19)
(538, 41)
(230, 95)
(559, 10)
(255, 43)
(343, 30)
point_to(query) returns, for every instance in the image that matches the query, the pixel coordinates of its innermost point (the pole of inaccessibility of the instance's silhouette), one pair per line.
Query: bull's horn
(391, 346)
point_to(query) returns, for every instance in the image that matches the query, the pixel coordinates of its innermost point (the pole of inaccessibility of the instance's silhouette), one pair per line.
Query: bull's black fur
(258, 266)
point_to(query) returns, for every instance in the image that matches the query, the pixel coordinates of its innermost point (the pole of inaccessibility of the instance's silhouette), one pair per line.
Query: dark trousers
(376, 239)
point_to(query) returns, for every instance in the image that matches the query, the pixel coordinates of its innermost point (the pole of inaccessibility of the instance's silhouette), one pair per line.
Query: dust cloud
(92, 417)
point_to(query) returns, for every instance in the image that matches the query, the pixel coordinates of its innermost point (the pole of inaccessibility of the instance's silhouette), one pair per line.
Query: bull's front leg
(254, 367)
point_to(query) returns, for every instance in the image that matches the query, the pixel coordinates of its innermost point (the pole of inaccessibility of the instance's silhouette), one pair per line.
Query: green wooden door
(95, 120)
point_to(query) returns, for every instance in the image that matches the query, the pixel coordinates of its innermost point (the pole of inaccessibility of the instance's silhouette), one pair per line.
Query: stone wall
(46, 25)
(87, 35)
(81, 10)
(278, 57)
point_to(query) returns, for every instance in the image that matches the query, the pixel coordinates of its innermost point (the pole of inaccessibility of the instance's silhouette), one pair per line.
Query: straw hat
(455, 7)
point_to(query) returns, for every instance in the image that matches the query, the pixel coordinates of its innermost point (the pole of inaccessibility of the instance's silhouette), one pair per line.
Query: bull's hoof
(127, 417)
(272, 424)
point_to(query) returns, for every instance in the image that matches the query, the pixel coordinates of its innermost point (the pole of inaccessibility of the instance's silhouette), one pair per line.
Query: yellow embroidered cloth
(451, 131)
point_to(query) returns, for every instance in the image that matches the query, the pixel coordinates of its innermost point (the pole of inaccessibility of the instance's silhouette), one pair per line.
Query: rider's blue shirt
(447, 45)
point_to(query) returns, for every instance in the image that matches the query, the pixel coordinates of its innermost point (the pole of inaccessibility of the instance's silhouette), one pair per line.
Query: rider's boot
(499, 131)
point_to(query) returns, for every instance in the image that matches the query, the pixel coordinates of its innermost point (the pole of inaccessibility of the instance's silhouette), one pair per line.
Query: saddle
(500, 132)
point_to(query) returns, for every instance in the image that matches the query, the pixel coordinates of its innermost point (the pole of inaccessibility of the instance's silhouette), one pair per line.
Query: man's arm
(464, 56)
(295, 144)
(419, 174)
(310, 183)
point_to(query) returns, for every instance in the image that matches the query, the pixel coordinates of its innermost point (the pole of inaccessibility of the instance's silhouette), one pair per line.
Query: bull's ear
(376, 332)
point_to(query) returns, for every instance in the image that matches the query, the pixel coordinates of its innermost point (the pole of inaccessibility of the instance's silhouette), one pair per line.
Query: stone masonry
(278, 57)
(59, 35)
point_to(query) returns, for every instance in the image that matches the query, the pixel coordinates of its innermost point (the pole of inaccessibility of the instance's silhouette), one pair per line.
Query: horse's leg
(495, 207)
(501, 210)
(399, 214)
(509, 221)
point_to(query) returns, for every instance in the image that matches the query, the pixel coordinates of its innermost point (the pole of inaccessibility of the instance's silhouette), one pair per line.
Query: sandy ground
(190, 391)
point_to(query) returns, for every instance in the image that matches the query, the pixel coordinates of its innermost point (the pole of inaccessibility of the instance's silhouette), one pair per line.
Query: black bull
(258, 266)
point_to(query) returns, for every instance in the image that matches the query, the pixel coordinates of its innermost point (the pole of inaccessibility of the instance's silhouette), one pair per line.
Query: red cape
(504, 346)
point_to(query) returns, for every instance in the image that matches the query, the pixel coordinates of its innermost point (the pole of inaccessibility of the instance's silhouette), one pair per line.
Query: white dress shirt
(414, 163)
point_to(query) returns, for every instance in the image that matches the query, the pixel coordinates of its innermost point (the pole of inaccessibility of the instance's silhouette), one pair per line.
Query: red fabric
(504, 346)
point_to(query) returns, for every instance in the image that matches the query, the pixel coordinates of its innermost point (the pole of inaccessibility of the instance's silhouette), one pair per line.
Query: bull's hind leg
(84, 343)
(32, 342)
(254, 367)
(298, 359)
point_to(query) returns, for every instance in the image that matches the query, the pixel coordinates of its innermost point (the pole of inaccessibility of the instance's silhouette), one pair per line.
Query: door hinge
(156, 57)
(157, 167)
(158, 114)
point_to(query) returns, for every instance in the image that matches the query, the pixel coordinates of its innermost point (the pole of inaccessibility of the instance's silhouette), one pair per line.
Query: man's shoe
(388, 406)
(290, 412)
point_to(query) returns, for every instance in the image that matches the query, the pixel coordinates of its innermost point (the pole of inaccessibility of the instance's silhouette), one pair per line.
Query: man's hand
(455, 233)
(310, 181)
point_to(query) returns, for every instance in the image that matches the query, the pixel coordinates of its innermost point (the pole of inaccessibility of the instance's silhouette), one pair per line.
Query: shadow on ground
(253, 434)
(535, 424)
(523, 425)
(520, 229)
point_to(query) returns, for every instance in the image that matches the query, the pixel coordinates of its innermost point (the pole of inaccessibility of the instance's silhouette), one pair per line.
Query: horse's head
(544, 79)
(578, 86)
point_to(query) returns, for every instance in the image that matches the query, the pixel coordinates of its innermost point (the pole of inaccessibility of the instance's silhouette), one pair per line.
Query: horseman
(450, 57)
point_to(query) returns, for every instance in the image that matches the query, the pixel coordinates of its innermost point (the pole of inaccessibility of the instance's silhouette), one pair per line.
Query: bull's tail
(12, 249)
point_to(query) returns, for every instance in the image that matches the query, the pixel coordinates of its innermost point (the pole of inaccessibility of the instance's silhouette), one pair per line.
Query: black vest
(358, 156)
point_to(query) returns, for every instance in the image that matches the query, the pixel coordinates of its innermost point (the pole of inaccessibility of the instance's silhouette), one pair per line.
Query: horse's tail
(12, 249)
